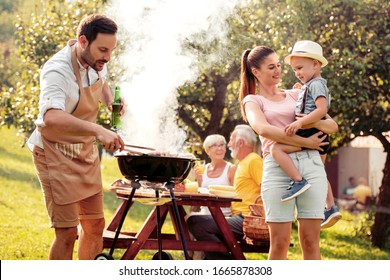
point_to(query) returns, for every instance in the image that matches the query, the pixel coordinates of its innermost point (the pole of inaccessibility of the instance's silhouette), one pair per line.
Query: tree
(7, 8)
(8, 64)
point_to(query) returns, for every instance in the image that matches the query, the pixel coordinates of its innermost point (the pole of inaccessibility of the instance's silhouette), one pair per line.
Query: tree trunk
(380, 229)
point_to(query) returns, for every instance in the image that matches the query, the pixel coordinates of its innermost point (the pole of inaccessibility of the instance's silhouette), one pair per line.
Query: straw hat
(308, 49)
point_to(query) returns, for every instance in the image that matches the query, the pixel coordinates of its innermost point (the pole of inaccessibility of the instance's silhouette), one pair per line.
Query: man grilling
(64, 146)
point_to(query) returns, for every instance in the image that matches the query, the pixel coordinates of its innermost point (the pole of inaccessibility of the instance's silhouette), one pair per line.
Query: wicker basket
(254, 225)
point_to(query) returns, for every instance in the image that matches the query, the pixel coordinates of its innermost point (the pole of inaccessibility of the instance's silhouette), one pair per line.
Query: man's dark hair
(91, 25)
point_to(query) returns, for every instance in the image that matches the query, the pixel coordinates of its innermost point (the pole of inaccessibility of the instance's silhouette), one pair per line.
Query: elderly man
(247, 182)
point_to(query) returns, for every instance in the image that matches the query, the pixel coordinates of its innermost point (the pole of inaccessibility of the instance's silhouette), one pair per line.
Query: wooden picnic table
(146, 237)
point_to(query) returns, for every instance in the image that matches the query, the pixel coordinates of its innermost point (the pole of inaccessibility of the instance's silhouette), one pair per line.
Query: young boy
(313, 103)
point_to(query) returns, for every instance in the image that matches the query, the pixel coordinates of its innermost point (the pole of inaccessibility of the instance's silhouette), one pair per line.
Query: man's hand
(110, 140)
(107, 98)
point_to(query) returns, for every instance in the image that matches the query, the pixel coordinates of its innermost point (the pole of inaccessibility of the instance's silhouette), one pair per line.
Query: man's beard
(87, 57)
(233, 152)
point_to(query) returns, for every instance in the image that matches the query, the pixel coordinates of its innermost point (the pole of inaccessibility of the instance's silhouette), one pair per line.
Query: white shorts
(310, 204)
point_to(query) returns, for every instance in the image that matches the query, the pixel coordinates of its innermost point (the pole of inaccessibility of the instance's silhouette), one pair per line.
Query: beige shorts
(310, 204)
(68, 215)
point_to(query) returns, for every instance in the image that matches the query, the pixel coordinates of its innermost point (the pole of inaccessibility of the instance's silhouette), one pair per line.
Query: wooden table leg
(227, 233)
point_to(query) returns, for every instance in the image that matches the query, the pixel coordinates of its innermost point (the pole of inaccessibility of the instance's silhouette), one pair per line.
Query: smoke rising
(156, 64)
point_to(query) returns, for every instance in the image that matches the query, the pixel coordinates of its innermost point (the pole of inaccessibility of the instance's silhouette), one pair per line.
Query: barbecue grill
(158, 172)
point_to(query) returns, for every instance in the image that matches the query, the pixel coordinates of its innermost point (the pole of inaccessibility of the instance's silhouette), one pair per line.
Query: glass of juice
(200, 166)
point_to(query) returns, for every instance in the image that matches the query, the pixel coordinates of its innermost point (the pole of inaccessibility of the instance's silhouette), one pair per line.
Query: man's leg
(204, 228)
(91, 238)
(63, 244)
(92, 227)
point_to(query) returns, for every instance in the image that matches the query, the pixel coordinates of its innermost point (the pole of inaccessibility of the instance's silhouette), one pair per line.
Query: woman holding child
(269, 109)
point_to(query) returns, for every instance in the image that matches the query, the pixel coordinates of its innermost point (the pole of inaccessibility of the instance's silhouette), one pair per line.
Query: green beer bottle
(116, 109)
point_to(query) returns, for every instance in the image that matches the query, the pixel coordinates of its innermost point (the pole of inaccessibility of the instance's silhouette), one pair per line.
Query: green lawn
(25, 234)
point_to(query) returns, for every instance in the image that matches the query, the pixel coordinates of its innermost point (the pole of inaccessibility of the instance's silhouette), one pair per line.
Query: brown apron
(72, 160)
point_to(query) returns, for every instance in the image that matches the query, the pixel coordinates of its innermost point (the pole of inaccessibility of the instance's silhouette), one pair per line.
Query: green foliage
(364, 224)
(359, 52)
(7, 9)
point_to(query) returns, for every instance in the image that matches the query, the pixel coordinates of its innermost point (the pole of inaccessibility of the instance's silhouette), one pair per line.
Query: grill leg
(159, 240)
(170, 186)
(135, 185)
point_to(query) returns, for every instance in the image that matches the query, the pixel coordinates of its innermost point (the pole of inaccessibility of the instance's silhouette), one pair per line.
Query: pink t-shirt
(277, 113)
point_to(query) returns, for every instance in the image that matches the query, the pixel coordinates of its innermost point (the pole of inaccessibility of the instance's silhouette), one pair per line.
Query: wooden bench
(170, 242)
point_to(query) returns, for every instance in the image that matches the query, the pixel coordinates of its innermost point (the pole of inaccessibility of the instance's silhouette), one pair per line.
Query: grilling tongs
(139, 147)
(135, 149)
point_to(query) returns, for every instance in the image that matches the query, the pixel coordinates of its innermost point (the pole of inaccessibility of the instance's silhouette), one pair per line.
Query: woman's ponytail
(251, 59)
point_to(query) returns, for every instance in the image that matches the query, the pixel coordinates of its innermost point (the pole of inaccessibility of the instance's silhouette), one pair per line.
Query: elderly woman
(218, 171)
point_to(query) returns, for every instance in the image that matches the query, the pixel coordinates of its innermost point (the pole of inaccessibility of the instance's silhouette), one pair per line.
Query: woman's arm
(259, 123)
